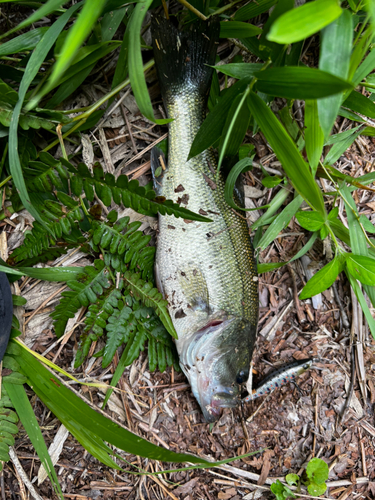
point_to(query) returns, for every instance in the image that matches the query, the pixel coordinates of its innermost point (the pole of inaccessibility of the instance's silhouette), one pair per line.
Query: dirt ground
(291, 425)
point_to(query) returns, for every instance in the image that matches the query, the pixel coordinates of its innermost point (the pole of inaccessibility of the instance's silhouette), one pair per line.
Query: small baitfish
(205, 270)
(281, 376)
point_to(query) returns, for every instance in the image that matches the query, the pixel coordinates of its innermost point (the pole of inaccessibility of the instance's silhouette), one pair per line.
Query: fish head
(216, 362)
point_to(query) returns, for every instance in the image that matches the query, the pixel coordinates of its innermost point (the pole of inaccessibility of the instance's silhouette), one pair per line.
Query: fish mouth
(200, 360)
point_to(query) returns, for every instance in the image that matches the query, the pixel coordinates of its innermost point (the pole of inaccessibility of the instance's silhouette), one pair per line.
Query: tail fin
(182, 57)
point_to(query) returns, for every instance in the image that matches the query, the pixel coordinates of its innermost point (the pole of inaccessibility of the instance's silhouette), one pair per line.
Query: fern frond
(89, 285)
(46, 174)
(141, 199)
(126, 247)
(151, 297)
(119, 328)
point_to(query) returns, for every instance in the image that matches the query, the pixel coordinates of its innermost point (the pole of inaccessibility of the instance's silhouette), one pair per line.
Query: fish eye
(306, 366)
(242, 376)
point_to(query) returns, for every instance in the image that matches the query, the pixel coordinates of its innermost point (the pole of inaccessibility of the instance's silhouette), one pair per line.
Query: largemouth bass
(205, 270)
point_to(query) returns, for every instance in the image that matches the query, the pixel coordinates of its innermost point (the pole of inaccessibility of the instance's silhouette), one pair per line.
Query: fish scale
(205, 270)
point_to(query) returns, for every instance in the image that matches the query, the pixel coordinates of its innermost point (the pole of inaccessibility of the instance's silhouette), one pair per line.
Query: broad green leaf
(312, 221)
(368, 226)
(136, 73)
(302, 22)
(294, 165)
(323, 279)
(253, 9)
(21, 43)
(240, 167)
(335, 50)
(77, 35)
(271, 181)
(317, 470)
(292, 479)
(280, 222)
(314, 137)
(236, 29)
(299, 82)
(31, 70)
(369, 131)
(27, 416)
(239, 70)
(361, 104)
(359, 52)
(316, 490)
(43, 11)
(361, 268)
(213, 125)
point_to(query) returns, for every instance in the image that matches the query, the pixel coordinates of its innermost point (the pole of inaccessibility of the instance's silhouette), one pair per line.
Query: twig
(352, 383)
(344, 316)
(125, 115)
(300, 314)
(22, 474)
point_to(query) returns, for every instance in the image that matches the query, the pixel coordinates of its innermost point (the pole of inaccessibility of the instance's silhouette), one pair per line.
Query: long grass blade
(335, 51)
(24, 410)
(314, 137)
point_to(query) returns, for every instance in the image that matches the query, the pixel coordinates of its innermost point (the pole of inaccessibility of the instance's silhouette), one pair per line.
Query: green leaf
(270, 266)
(368, 225)
(22, 43)
(235, 128)
(358, 241)
(271, 181)
(136, 73)
(365, 68)
(25, 411)
(211, 129)
(253, 9)
(312, 221)
(75, 38)
(280, 222)
(299, 82)
(361, 268)
(340, 147)
(317, 470)
(314, 136)
(360, 104)
(274, 206)
(316, 489)
(45, 274)
(335, 51)
(323, 279)
(362, 302)
(88, 425)
(236, 29)
(286, 151)
(239, 70)
(302, 22)
(292, 479)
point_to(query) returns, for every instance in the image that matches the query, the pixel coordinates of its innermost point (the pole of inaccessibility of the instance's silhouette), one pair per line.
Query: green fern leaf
(161, 357)
(129, 193)
(151, 297)
(119, 327)
(84, 291)
(8, 421)
(136, 346)
(46, 174)
(152, 355)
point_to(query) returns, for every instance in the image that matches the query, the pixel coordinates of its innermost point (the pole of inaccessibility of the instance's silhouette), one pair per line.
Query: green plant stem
(225, 8)
(5, 181)
(193, 10)
(84, 207)
(3, 159)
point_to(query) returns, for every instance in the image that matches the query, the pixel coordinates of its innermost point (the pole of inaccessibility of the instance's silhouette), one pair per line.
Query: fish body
(286, 373)
(205, 270)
